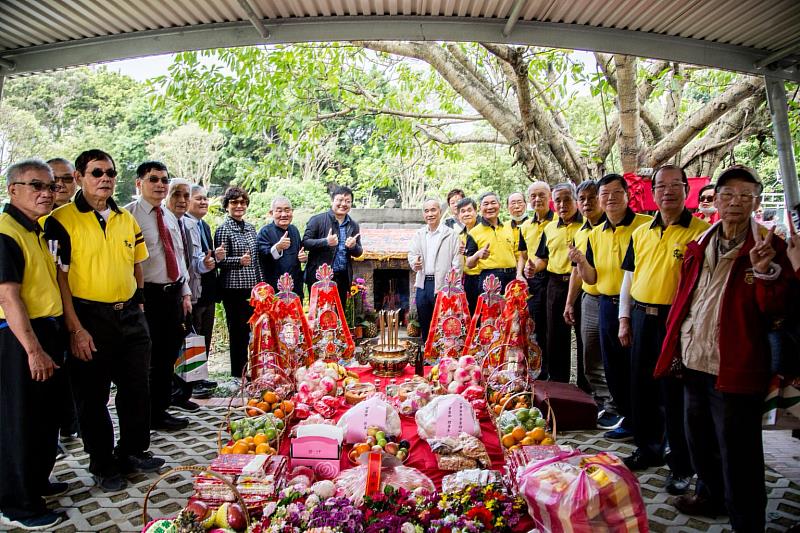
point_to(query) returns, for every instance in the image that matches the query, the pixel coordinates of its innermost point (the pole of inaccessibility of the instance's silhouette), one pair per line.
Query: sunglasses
(65, 179)
(39, 186)
(156, 179)
(98, 173)
(706, 198)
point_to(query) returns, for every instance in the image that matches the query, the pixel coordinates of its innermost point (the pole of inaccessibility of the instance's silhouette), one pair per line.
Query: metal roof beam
(254, 19)
(513, 17)
(557, 35)
(779, 109)
(780, 54)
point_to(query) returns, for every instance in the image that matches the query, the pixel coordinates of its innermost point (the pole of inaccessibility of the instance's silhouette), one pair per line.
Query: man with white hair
(280, 247)
(434, 251)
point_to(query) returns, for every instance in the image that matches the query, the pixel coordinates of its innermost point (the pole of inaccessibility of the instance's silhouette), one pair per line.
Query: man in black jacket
(333, 238)
(280, 248)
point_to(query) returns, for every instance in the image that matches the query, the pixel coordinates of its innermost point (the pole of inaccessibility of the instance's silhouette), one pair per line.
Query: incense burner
(388, 361)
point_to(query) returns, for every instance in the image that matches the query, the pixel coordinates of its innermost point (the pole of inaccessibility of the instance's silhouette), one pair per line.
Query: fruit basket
(520, 424)
(395, 450)
(505, 380)
(265, 376)
(232, 516)
(259, 434)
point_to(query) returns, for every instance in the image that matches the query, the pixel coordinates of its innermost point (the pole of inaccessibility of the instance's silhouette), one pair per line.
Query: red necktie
(166, 240)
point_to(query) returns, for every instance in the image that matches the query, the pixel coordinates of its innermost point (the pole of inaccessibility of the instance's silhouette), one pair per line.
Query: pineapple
(187, 522)
(371, 330)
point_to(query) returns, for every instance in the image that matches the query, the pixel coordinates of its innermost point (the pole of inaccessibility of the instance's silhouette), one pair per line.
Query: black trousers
(616, 359)
(724, 436)
(164, 313)
(472, 288)
(67, 411)
(237, 313)
(656, 405)
(28, 424)
(537, 308)
(123, 356)
(203, 321)
(559, 341)
(426, 300)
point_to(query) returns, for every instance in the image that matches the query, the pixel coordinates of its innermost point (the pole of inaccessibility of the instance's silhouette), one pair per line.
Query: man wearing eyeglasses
(652, 267)
(167, 294)
(63, 172)
(32, 344)
(734, 284)
(100, 250)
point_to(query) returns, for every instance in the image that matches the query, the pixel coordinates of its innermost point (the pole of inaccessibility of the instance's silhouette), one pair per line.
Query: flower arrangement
(302, 509)
(473, 509)
(395, 510)
(356, 305)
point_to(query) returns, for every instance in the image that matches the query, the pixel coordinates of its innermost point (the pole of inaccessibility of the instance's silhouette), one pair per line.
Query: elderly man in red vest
(734, 284)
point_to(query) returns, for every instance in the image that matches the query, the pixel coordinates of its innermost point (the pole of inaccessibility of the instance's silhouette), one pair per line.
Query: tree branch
(443, 137)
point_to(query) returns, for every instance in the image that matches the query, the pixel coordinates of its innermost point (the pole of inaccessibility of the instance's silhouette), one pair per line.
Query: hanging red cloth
(331, 339)
(291, 327)
(483, 336)
(517, 327)
(450, 320)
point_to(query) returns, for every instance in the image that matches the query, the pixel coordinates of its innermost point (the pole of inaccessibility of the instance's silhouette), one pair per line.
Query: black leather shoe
(186, 405)
(638, 460)
(113, 483)
(55, 489)
(167, 422)
(678, 485)
(139, 462)
(693, 505)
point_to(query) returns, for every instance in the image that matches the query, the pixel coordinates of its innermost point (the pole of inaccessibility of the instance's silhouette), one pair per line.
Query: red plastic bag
(574, 492)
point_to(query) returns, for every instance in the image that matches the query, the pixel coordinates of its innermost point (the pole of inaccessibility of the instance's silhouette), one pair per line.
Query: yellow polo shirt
(581, 239)
(516, 228)
(554, 244)
(26, 259)
(531, 232)
(655, 255)
(500, 239)
(465, 238)
(98, 254)
(607, 247)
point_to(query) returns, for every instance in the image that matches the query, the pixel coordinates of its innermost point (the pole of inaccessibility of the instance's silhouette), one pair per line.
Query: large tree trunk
(628, 107)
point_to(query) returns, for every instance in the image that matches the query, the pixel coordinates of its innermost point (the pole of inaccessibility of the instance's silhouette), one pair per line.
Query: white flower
(407, 528)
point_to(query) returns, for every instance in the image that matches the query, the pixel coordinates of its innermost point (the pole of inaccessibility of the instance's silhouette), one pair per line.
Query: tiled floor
(91, 510)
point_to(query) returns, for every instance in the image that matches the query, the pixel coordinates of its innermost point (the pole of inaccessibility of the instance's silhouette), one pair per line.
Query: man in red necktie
(167, 295)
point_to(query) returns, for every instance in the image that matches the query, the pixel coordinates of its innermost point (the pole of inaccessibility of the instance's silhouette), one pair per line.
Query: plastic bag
(583, 493)
(371, 412)
(354, 481)
(475, 476)
(447, 416)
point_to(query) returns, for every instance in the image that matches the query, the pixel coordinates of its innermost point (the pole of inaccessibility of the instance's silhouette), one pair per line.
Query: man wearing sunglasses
(167, 294)
(32, 344)
(64, 174)
(100, 249)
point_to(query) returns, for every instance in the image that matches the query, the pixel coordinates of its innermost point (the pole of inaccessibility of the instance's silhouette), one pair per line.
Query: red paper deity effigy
(263, 341)
(483, 335)
(516, 329)
(331, 339)
(292, 331)
(450, 320)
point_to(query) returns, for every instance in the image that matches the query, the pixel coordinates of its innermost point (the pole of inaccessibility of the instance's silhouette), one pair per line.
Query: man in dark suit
(333, 238)
(203, 309)
(280, 248)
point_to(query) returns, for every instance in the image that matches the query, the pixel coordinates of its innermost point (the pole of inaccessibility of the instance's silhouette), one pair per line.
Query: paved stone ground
(89, 509)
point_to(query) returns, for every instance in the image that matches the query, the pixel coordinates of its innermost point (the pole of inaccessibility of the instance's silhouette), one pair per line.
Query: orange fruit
(509, 440)
(240, 448)
(252, 402)
(278, 413)
(264, 406)
(547, 442)
(528, 441)
(260, 438)
(270, 397)
(252, 412)
(498, 409)
(251, 452)
(262, 449)
(226, 450)
(248, 440)
(537, 433)
(518, 433)
(287, 406)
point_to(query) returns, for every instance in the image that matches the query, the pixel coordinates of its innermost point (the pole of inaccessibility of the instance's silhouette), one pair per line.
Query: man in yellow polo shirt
(100, 248)
(552, 254)
(467, 218)
(493, 248)
(602, 265)
(32, 346)
(652, 268)
(531, 233)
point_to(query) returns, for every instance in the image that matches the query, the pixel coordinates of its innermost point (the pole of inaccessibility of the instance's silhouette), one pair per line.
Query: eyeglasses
(744, 197)
(238, 202)
(65, 179)
(156, 179)
(39, 186)
(98, 173)
(706, 198)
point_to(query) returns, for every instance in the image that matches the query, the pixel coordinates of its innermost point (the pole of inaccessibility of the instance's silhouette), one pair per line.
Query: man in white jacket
(434, 251)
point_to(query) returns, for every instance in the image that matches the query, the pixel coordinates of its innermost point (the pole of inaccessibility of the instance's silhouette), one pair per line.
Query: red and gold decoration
(483, 335)
(263, 341)
(517, 329)
(331, 339)
(292, 330)
(450, 320)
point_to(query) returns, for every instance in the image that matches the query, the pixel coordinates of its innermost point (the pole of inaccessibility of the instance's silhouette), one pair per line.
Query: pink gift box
(319, 453)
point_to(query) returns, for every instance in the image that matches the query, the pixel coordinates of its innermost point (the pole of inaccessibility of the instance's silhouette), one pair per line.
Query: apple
(236, 517)
(199, 508)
